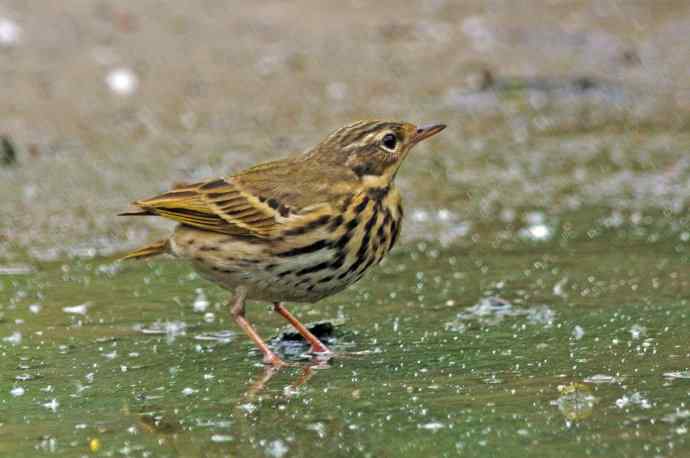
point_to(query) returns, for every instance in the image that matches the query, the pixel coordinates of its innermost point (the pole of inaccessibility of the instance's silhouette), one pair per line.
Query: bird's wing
(220, 206)
(257, 202)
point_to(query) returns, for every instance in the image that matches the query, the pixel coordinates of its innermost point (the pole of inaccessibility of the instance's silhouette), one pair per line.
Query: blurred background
(551, 105)
(539, 299)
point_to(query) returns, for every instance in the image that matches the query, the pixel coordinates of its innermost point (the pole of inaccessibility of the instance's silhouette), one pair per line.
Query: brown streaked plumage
(296, 229)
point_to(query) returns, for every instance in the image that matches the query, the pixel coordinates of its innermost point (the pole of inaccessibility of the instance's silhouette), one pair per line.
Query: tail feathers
(136, 213)
(152, 249)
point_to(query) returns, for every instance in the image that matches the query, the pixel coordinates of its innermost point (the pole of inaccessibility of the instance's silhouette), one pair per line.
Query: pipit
(297, 229)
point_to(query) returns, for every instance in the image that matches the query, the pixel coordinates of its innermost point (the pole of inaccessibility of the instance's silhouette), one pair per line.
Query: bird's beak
(426, 132)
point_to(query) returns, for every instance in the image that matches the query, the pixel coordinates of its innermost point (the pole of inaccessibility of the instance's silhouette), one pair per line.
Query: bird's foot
(320, 349)
(274, 360)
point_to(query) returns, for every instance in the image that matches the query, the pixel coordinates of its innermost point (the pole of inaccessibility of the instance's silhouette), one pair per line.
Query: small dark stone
(8, 153)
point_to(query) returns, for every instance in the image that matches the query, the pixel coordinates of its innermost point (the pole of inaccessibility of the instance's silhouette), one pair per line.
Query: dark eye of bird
(389, 141)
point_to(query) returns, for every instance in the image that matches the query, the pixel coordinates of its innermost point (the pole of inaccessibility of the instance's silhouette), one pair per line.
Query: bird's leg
(237, 312)
(316, 345)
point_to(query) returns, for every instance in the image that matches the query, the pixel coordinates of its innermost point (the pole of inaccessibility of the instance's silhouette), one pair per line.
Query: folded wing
(219, 206)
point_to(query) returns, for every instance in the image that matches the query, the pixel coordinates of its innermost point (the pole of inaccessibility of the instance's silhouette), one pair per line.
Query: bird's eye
(389, 141)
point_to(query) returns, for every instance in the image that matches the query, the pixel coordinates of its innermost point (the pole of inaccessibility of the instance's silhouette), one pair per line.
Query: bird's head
(372, 149)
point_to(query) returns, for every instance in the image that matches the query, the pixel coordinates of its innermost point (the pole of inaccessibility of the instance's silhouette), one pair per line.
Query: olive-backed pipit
(297, 229)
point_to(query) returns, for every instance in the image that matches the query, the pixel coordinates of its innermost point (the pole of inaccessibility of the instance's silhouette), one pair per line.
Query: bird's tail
(152, 249)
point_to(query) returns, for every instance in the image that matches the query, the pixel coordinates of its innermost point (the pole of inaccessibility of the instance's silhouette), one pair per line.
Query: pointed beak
(425, 132)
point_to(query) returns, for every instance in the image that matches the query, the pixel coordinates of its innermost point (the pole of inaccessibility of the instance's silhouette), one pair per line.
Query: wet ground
(538, 301)
(572, 347)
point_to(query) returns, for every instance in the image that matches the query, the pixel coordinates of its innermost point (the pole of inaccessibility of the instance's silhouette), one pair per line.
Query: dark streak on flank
(311, 248)
(312, 269)
(311, 226)
(225, 271)
(343, 240)
(395, 230)
(362, 205)
(336, 223)
(370, 261)
(326, 279)
(381, 233)
(252, 240)
(346, 203)
(302, 282)
(270, 267)
(208, 248)
(284, 273)
(352, 224)
(355, 265)
(339, 261)
(363, 247)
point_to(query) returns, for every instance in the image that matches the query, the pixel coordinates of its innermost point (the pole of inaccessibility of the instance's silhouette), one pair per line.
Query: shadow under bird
(297, 229)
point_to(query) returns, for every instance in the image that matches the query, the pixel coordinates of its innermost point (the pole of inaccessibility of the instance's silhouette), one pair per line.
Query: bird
(292, 230)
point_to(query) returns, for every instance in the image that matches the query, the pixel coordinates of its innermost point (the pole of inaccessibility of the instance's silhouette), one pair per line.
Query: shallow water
(575, 346)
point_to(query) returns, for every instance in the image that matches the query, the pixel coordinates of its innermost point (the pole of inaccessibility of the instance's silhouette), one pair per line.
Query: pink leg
(237, 312)
(316, 345)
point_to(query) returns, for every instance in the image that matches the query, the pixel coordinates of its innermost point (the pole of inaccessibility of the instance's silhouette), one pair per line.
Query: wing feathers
(219, 206)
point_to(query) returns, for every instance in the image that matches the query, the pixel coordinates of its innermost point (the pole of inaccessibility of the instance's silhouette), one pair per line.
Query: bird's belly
(232, 262)
(301, 269)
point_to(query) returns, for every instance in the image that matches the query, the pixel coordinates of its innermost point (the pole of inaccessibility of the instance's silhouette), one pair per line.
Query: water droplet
(80, 309)
(17, 391)
(200, 303)
(219, 336)
(220, 438)
(52, 405)
(602, 378)
(578, 332)
(10, 33)
(276, 448)
(122, 81)
(15, 338)
(537, 232)
(432, 426)
(685, 375)
(637, 331)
